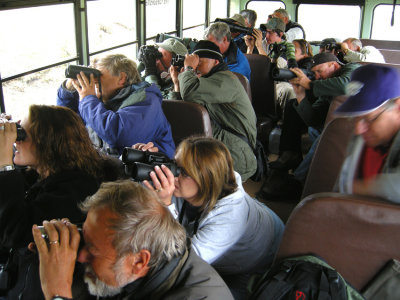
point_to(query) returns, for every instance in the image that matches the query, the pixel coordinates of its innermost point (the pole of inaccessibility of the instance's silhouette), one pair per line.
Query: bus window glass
(381, 24)
(29, 42)
(37, 88)
(218, 9)
(160, 12)
(321, 21)
(195, 33)
(263, 9)
(110, 23)
(129, 51)
(194, 12)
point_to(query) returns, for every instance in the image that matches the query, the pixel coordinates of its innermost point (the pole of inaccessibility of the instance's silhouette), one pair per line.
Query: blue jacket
(237, 61)
(132, 116)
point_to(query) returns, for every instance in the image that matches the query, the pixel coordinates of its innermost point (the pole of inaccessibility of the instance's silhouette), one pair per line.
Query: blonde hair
(209, 163)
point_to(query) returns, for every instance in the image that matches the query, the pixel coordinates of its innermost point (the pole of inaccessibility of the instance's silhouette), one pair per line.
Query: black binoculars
(139, 164)
(72, 70)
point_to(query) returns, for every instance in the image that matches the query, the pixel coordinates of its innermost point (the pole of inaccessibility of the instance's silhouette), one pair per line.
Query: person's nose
(360, 127)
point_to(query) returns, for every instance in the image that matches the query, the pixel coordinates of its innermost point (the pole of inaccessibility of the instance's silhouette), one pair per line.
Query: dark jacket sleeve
(53, 198)
(68, 98)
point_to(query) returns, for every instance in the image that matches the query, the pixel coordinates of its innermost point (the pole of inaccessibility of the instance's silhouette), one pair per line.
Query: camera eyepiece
(21, 133)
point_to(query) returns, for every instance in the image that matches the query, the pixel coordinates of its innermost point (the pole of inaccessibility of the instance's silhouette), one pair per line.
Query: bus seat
(391, 56)
(245, 83)
(328, 157)
(335, 103)
(186, 119)
(396, 66)
(381, 44)
(356, 235)
(262, 85)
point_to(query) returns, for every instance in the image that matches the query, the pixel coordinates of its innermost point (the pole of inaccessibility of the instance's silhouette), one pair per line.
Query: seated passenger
(250, 18)
(118, 110)
(134, 249)
(372, 165)
(220, 34)
(355, 52)
(293, 30)
(220, 92)
(274, 45)
(64, 168)
(308, 110)
(233, 232)
(156, 69)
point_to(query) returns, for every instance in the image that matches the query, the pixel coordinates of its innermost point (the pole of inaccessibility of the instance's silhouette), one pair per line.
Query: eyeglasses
(367, 122)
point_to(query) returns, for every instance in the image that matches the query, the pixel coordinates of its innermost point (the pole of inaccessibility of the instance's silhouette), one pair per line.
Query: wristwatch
(56, 297)
(7, 168)
(188, 68)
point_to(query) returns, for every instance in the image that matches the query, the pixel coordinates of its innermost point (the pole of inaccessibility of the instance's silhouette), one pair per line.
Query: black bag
(262, 162)
(8, 272)
(302, 278)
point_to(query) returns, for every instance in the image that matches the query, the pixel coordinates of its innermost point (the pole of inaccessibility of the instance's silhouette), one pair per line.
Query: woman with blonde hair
(233, 232)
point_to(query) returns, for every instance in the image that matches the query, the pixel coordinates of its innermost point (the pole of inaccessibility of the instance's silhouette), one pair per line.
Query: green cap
(174, 46)
(275, 23)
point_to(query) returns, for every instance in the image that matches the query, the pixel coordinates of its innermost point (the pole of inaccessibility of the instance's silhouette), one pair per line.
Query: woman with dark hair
(63, 168)
(230, 230)
(303, 53)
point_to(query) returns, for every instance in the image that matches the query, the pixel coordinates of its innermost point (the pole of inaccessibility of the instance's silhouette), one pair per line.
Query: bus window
(218, 9)
(329, 21)
(195, 33)
(194, 13)
(22, 51)
(110, 23)
(381, 23)
(160, 14)
(263, 9)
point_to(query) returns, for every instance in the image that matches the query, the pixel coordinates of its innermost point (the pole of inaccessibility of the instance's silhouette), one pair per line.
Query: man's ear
(122, 78)
(138, 263)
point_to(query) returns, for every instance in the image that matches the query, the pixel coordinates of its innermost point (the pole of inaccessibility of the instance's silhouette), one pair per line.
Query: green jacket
(314, 107)
(228, 105)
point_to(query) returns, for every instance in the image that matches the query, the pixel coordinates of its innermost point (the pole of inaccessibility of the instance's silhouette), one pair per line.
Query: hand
(57, 259)
(173, 71)
(299, 91)
(150, 66)
(344, 47)
(163, 183)
(8, 135)
(301, 78)
(145, 147)
(250, 43)
(84, 86)
(191, 60)
(69, 84)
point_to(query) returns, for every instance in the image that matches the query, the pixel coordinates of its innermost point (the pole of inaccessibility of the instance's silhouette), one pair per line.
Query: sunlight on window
(321, 21)
(194, 12)
(218, 9)
(263, 9)
(156, 12)
(381, 25)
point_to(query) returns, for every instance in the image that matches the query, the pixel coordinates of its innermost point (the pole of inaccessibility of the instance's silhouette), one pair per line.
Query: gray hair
(355, 42)
(142, 221)
(250, 15)
(117, 63)
(219, 30)
(282, 12)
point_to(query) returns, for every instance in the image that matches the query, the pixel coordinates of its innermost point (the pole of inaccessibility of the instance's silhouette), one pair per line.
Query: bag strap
(245, 139)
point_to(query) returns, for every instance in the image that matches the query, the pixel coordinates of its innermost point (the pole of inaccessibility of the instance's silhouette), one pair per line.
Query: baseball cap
(239, 19)
(273, 24)
(324, 57)
(371, 86)
(174, 46)
(207, 49)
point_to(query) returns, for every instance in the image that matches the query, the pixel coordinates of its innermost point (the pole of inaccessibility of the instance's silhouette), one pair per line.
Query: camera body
(139, 164)
(279, 48)
(178, 61)
(73, 70)
(235, 27)
(21, 133)
(149, 51)
(285, 74)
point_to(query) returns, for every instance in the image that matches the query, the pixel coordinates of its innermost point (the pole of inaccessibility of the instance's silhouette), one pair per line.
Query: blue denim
(301, 171)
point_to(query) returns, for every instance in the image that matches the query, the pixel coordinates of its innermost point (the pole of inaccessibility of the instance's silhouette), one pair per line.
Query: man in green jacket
(307, 111)
(206, 80)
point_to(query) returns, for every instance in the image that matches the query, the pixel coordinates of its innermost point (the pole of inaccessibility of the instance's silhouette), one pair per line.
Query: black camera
(72, 70)
(139, 164)
(21, 133)
(235, 27)
(149, 51)
(178, 61)
(285, 74)
(278, 48)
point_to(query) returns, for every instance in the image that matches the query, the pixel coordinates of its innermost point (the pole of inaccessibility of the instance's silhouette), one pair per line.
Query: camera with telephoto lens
(285, 74)
(150, 52)
(178, 61)
(21, 133)
(139, 164)
(73, 70)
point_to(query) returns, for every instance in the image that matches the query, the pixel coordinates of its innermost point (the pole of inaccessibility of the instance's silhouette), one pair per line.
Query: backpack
(302, 278)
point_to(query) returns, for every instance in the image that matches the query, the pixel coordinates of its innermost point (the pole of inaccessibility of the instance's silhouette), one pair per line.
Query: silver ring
(53, 242)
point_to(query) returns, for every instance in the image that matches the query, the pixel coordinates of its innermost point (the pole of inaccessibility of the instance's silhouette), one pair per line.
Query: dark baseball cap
(324, 57)
(207, 49)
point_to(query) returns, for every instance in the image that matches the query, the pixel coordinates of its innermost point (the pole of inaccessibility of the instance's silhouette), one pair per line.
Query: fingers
(40, 243)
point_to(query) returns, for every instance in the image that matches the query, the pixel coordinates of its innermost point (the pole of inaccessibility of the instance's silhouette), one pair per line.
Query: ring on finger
(53, 242)
(159, 190)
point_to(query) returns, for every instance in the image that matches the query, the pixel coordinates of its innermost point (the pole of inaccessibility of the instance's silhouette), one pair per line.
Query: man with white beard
(134, 249)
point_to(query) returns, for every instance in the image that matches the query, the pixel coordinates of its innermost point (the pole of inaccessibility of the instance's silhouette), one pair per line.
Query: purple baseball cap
(371, 86)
